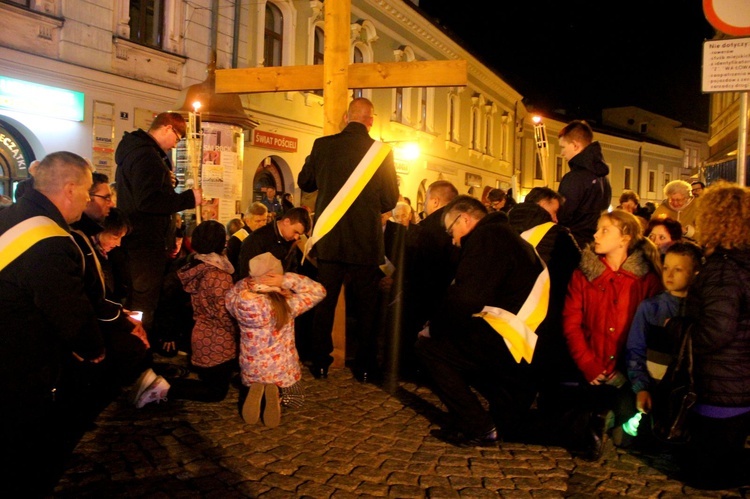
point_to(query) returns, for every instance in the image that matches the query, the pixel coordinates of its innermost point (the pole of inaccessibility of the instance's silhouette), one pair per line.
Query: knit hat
(265, 263)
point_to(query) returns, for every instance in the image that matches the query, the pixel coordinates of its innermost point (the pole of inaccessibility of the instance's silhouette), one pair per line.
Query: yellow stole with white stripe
(343, 199)
(22, 236)
(519, 330)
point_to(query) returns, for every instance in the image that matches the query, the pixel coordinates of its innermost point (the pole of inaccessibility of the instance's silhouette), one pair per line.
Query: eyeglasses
(179, 137)
(107, 198)
(449, 230)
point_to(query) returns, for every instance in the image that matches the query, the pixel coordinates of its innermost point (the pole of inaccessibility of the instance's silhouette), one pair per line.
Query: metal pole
(742, 141)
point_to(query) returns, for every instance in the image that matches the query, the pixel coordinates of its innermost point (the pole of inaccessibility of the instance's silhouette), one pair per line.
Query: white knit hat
(265, 263)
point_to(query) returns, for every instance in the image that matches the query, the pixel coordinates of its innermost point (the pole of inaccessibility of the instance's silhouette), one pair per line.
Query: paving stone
(349, 440)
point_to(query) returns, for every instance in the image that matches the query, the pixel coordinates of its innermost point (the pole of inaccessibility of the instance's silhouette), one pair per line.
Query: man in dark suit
(353, 249)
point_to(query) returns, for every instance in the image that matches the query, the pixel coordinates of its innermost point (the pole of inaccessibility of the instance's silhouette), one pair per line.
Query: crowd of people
(548, 320)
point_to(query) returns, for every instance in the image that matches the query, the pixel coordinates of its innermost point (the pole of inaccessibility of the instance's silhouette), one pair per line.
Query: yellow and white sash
(22, 236)
(241, 234)
(343, 199)
(519, 330)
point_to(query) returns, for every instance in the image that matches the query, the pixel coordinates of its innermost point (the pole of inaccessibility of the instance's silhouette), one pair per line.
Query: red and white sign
(274, 141)
(728, 16)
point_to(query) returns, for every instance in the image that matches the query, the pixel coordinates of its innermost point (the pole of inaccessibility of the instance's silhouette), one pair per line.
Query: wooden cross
(336, 76)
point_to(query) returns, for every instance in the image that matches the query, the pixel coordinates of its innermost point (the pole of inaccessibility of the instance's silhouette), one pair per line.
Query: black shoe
(319, 372)
(596, 435)
(459, 439)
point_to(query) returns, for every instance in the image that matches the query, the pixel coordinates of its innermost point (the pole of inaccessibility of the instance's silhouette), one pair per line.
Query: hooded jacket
(600, 307)
(720, 301)
(214, 339)
(144, 190)
(587, 193)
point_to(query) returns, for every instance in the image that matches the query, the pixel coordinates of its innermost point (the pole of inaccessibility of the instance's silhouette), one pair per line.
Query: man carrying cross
(348, 236)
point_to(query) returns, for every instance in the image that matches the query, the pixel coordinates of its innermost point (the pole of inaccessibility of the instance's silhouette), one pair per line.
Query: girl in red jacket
(617, 271)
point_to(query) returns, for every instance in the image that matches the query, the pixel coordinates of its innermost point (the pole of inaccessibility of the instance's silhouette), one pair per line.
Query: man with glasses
(461, 351)
(696, 188)
(146, 195)
(277, 238)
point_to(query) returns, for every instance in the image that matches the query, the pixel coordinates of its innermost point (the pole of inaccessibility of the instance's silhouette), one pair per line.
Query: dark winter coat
(45, 312)
(720, 301)
(144, 190)
(560, 252)
(496, 268)
(358, 237)
(587, 193)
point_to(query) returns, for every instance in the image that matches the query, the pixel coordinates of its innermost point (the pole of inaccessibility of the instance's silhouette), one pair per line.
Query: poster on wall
(221, 171)
(102, 149)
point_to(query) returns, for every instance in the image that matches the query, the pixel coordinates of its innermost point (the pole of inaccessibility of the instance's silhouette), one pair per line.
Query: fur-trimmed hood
(593, 265)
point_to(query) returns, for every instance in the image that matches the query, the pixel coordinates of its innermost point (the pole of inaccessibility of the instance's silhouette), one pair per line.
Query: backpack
(675, 394)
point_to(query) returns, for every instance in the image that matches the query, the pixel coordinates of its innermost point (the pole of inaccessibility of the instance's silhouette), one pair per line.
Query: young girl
(265, 305)
(206, 277)
(617, 271)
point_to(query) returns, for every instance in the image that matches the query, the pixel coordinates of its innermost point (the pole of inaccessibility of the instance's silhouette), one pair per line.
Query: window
(147, 22)
(538, 173)
(558, 169)
(423, 109)
(643, 128)
(627, 178)
(454, 117)
(319, 46)
(652, 181)
(274, 36)
(667, 178)
(359, 57)
(318, 50)
(399, 105)
(488, 130)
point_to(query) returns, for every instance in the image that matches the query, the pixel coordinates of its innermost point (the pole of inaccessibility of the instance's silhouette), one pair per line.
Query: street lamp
(540, 135)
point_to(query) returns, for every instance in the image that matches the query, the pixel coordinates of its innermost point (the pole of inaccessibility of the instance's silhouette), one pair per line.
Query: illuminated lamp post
(195, 146)
(540, 135)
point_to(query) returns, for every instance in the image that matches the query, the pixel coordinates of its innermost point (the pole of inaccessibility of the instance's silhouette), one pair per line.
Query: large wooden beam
(365, 75)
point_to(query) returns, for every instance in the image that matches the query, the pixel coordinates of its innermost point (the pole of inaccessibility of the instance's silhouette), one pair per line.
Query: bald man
(48, 322)
(354, 247)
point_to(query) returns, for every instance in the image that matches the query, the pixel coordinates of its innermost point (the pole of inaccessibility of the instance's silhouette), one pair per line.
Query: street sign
(726, 65)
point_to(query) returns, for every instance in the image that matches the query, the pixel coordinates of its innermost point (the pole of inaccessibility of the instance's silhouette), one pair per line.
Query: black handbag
(675, 394)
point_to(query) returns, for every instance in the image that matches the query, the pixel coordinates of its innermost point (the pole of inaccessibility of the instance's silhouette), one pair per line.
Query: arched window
(273, 38)
(318, 48)
(319, 45)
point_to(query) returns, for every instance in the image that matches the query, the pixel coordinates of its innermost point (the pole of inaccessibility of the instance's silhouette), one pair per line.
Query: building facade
(114, 64)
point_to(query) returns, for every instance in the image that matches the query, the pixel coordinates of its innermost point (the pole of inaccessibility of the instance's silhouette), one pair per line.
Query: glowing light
(631, 425)
(33, 98)
(407, 151)
(536, 119)
(196, 106)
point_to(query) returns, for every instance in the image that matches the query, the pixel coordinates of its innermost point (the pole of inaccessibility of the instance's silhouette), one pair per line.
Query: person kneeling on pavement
(265, 305)
(461, 350)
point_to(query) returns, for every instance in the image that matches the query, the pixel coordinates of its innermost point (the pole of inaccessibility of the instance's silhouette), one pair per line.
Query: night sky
(583, 56)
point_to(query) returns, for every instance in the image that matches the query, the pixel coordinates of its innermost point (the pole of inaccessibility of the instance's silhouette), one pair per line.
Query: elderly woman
(679, 206)
(663, 232)
(719, 300)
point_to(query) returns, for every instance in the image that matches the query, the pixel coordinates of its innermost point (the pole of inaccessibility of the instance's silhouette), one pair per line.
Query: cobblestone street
(349, 440)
